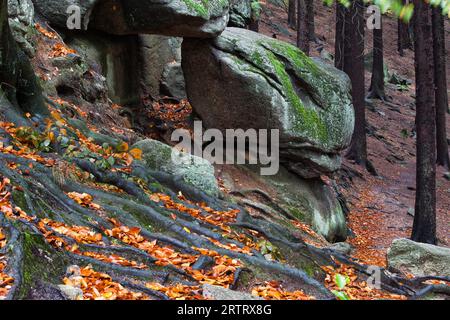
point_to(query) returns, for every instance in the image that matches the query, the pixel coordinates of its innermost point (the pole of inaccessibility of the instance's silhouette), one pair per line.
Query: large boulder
(220, 293)
(276, 86)
(161, 73)
(114, 57)
(183, 18)
(193, 170)
(312, 202)
(240, 13)
(57, 12)
(420, 259)
(21, 21)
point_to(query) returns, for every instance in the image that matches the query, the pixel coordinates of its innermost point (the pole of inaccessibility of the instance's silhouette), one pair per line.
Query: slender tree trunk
(376, 90)
(292, 14)
(424, 228)
(440, 81)
(302, 27)
(254, 24)
(339, 37)
(310, 20)
(354, 67)
(403, 35)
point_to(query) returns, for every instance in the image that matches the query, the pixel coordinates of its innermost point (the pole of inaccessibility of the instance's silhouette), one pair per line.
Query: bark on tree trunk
(310, 20)
(404, 35)
(354, 67)
(440, 80)
(376, 90)
(302, 27)
(254, 25)
(292, 14)
(339, 37)
(424, 227)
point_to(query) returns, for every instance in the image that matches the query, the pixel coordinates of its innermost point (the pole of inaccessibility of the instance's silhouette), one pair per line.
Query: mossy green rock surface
(194, 170)
(181, 18)
(240, 13)
(243, 79)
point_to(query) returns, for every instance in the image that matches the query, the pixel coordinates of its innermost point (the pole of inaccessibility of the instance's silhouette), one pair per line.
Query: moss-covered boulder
(419, 259)
(240, 13)
(253, 81)
(193, 170)
(21, 21)
(182, 18)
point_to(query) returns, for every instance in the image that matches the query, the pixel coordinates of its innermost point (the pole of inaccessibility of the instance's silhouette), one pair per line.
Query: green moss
(297, 213)
(309, 270)
(300, 261)
(19, 199)
(308, 120)
(206, 8)
(200, 7)
(257, 58)
(142, 219)
(156, 187)
(36, 255)
(298, 58)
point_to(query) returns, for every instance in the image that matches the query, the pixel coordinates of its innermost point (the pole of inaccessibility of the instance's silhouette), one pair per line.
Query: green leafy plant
(34, 139)
(266, 247)
(341, 282)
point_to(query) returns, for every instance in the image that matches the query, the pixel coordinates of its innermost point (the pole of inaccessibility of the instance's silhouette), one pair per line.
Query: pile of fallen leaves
(216, 218)
(112, 258)
(171, 112)
(84, 199)
(23, 148)
(60, 50)
(364, 222)
(272, 290)
(45, 32)
(220, 219)
(51, 230)
(5, 280)
(100, 286)
(345, 284)
(2, 239)
(79, 233)
(164, 255)
(315, 239)
(221, 274)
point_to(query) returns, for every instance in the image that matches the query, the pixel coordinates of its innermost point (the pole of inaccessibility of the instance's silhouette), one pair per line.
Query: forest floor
(159, 233)
(378, 206)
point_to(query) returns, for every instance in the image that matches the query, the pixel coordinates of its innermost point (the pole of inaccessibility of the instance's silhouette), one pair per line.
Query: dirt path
(379, 205)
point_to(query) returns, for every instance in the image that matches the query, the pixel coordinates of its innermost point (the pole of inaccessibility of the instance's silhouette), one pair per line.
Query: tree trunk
(339, 37)
(254, 25)
(310, 20)
(354, 67)
(302, 27)
(292, 14)
(440, 80)
(403, 35)
(376, 90)
(424, 227)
